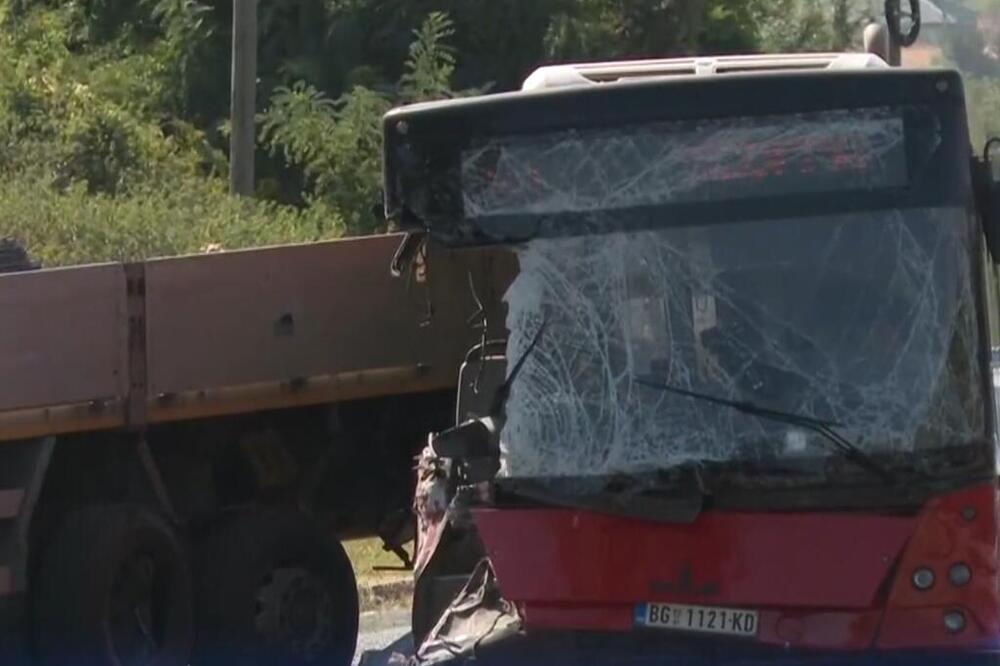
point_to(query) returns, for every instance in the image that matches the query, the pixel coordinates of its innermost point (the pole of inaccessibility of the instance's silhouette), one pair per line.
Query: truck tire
(273, 589)
(113, 589)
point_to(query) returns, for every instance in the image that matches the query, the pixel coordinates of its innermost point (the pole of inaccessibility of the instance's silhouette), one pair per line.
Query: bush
(983, 99)
(73, 226)
(95, 162)
(338, 143)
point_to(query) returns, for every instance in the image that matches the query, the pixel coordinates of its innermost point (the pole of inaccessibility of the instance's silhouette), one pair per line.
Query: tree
(338, 143)
(812, 25)
(97, 161)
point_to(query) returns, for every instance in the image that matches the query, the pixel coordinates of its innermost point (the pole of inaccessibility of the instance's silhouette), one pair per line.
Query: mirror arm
(979, 170)
(986, 189)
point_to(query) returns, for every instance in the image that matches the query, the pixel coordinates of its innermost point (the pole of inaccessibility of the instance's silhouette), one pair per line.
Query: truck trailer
(184, 440)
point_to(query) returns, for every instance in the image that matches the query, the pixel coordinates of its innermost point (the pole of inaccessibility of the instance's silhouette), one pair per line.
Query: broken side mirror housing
(987, 178)
(474, 445)
(467, 441)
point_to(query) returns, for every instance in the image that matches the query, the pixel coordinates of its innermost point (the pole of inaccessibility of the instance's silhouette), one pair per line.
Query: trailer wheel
(113, 589)
(273, 589)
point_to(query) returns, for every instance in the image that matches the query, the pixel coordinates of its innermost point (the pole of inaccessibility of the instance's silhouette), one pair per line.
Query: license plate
(704, 619)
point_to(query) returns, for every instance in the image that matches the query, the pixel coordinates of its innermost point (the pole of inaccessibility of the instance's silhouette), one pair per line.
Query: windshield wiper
(503, 392)
(849, 450)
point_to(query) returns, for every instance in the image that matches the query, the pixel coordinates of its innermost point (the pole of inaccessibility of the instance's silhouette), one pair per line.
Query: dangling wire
(422, 265)
(479, 319)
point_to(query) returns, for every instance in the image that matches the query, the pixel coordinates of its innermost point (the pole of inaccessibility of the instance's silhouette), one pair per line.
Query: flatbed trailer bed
(127, 345)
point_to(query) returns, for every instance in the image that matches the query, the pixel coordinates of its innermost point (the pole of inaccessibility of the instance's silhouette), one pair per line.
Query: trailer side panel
(62, 338)
(311, 323)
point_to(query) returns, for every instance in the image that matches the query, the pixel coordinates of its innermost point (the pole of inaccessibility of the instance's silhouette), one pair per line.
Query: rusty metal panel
(285, 313)
(62, 337)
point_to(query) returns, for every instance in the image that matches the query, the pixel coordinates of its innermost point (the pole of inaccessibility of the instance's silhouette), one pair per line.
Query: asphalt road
(382, 633)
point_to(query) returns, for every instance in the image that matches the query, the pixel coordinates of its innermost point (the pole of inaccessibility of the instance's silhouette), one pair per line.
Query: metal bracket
(41, 454)
(135, 303)
(152, 471)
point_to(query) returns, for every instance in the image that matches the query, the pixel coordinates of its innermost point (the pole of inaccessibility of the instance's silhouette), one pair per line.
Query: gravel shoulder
(382, 633)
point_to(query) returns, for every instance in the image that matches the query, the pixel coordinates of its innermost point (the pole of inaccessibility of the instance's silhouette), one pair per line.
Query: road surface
(381, 633)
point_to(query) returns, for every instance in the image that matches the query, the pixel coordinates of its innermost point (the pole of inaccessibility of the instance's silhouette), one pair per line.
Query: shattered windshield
(866, 320)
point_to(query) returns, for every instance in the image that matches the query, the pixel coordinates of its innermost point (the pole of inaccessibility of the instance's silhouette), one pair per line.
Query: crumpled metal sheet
(430, 504)
(866, 319)
(478, 617)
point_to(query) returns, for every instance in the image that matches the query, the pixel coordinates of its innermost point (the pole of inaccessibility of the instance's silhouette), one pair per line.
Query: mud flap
(478, 617)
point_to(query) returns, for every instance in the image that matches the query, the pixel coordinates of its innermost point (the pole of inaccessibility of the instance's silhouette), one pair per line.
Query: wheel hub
(295, 612)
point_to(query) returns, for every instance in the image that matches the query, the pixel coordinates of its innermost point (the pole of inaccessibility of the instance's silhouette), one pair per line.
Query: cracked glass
(601, 170)
(866, 320)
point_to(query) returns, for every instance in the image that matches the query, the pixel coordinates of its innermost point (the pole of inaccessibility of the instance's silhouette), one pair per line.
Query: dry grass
(366, 554)
(378, 589)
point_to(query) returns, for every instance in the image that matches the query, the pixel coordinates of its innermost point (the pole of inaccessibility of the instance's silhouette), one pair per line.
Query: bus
(737, 404)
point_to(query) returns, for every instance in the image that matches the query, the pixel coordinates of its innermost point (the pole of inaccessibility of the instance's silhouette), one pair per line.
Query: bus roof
(558, 76)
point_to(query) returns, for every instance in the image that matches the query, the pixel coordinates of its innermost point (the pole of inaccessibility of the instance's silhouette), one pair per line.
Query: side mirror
(987, 186)
(903, 23)
(474, 445)
(476, 438)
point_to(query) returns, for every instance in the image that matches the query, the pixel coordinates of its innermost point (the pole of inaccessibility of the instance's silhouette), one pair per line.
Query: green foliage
(812, 25)
(431, 63)
(587, 31)
(96, 161)
(73, 226)
(186, 29)
(92, 117)
(983, 99)
(630, 28)
(338, 144)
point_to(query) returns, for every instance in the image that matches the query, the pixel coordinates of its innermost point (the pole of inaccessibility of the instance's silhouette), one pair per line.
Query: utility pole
(243, 98)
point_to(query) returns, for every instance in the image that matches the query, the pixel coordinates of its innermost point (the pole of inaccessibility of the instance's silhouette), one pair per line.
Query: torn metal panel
(430, 504)
(478, 617)
(866, 320)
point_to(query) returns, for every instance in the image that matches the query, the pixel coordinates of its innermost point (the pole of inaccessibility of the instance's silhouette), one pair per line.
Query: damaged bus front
(744, 402)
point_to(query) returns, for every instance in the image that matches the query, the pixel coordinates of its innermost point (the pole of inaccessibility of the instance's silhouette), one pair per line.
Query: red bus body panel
(820, 580)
